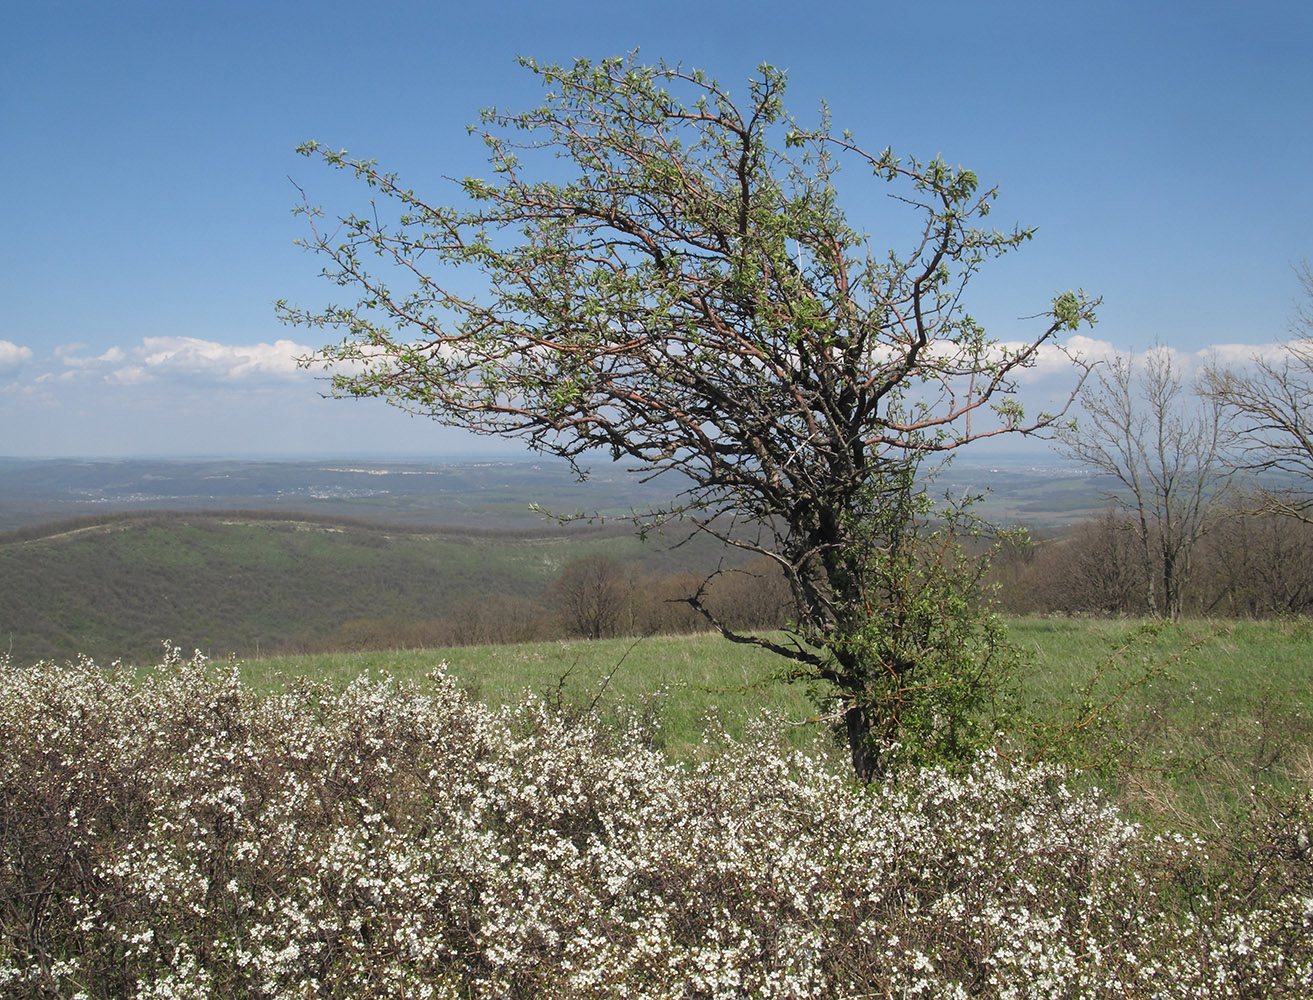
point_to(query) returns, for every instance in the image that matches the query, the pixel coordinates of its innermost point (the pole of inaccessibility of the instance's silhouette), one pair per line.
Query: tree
(754, 596)
(681, 289)
(659, 608)
(481, 619)
(1273, 403)
(1095, 568)
(591, 596)
(1162, 446)
(1261, 566)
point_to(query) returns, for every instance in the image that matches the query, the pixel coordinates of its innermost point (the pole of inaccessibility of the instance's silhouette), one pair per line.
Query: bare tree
(1273, 404)
(1259, 566)
(660, 605)
(1097, 567)
(680, 287)
(1161, 444)
(591, 596)
(493, 619)
(755, 596)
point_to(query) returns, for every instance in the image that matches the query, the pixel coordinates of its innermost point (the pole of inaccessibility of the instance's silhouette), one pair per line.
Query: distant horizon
(281, 456)
(1010, 456)
(486, 492)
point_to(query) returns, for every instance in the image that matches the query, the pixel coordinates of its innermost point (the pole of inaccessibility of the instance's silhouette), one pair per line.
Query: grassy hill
(252, 582)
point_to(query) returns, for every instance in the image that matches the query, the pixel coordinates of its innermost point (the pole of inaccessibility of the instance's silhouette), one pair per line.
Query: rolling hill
(247, 582)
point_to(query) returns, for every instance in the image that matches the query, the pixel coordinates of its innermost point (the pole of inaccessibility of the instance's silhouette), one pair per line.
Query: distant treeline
(594, 597)
(1245, 565)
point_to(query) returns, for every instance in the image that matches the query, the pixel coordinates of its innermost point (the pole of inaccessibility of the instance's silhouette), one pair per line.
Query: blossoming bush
(182, 837)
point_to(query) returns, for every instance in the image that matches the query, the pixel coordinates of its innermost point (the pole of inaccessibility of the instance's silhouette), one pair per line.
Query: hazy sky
(1162, 150)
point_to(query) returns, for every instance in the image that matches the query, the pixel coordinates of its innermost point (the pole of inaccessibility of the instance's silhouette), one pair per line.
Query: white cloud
(1056, 361)
(68, 356)
(186, 358)
(1090, 348)
(1052, 360)
(13, 356)
(228, 362)
(1231, 355)
(129, 375)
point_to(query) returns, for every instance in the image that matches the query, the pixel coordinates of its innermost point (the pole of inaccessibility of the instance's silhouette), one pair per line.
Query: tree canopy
(1273, 401)
(653, 272)
(1163, 447)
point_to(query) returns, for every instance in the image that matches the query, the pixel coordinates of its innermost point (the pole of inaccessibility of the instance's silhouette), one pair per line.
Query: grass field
(1200, 716)
(685, 679)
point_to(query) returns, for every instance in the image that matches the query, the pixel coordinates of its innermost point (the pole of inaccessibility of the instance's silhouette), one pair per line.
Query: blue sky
(1162, 151)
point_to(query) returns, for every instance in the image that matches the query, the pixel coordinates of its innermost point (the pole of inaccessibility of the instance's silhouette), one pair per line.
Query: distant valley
(490, 494)
(109, 558)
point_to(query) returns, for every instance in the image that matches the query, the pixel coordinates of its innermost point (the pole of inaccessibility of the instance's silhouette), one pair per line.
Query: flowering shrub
(182, 837)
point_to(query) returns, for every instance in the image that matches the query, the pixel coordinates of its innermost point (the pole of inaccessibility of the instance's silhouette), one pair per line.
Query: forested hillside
(250, 583)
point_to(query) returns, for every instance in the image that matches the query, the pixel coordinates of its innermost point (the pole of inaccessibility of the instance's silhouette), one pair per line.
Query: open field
(685, 679)
(1225, 706)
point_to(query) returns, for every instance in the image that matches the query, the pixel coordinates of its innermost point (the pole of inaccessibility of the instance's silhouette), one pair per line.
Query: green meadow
(1185, 722)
